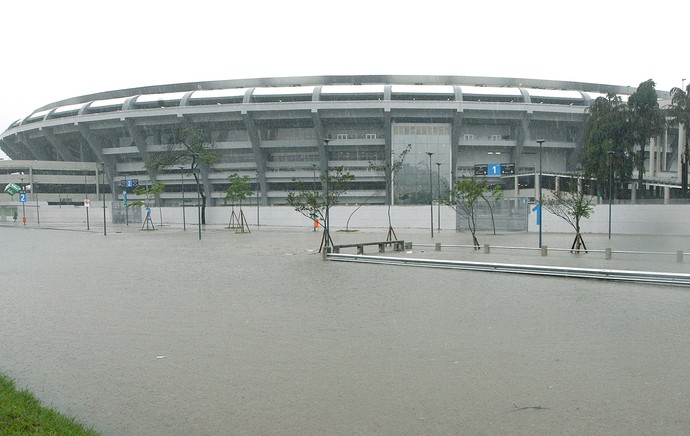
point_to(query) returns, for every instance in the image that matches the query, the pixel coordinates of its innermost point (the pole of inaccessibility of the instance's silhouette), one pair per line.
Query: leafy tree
(680, 113)
(607, 134)
(464, 198)
(312, 204)
(190, 146)
(154, 190)
(390, 168)
(646, 121)
(238, 191)
(572, 206)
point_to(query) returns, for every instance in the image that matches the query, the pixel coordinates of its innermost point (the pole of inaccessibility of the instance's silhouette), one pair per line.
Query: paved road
(159, 333)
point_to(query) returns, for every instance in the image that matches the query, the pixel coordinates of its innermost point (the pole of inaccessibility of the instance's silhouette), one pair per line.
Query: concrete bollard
(487, 249)
(608, 253)
(408, 245)
(438, 246)
(544, 250)
(679, 256)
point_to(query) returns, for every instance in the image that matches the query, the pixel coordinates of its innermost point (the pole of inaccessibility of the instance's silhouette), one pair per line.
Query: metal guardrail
(608, 252)
(665, 278)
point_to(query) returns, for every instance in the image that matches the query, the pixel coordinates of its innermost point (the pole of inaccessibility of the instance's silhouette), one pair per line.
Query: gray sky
(55, 50)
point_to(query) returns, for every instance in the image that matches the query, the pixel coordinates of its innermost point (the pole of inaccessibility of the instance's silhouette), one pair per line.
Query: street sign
(508, 168)
(481, 170)
(12, 188)
(493, 169)
(22, 197)
(87, 202)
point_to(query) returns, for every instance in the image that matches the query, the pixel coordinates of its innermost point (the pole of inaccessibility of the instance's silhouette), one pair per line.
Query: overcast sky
(52, 50)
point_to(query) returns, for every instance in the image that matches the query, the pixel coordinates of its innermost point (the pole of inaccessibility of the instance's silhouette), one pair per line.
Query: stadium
(276, 129)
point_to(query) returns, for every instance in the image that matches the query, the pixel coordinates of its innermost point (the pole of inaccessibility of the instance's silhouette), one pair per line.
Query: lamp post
(184, 218)
(86, 203)
(541, 209)
(328, 202)
(431, 193)
(258, 189)
(198, 203)
(438, 193)
(34, 191)
(313, 188)
(610, 155)
(105, 232)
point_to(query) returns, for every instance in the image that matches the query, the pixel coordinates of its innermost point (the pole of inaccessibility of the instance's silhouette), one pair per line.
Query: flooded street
(159, 333)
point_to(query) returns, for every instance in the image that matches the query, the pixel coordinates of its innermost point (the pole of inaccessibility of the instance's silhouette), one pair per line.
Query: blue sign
(22, 197)
(537, 208)
(128, 183)
(493, 169)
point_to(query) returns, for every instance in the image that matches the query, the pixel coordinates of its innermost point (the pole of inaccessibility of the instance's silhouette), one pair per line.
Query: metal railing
(650, 277)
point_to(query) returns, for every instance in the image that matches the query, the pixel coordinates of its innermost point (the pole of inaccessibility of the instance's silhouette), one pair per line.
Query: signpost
(22, 199)
(494, 169)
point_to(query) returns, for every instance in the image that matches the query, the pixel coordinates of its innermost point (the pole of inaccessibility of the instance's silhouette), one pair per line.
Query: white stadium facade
(276, 129)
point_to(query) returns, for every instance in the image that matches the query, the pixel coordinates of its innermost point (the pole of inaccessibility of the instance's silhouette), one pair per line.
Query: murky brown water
(158, 333)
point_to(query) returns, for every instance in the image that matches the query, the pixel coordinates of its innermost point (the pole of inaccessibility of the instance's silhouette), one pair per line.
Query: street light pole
(610, 153)
(105, 232)
(328, 202)
(438, 193)
(184, 218)
(198, 205)
(541, 208)
(258, 189)
(86, 202)
(431, 193)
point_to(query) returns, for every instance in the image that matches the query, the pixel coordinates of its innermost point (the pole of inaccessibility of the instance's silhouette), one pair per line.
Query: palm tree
(680, 111)
(646, 121)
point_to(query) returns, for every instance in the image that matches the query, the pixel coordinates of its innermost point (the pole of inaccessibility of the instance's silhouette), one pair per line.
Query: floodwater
(160, 333)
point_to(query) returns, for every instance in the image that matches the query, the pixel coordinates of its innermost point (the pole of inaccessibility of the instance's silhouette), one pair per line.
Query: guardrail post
(608, 254)
(408, 245)
(679, 256)
(438, 246)
(544, 250)
(487, 249)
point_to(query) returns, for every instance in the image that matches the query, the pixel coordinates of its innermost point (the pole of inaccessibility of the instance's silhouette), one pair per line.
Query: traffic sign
(22, 197)
(12, 188)
(493, 169)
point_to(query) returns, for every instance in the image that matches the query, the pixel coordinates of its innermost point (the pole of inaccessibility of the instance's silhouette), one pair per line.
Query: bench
(397, 246)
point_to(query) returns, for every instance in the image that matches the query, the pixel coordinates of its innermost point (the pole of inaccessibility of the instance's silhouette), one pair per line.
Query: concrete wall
(628, 219)
(625, 219)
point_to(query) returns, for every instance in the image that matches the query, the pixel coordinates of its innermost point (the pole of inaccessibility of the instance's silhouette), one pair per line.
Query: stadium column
(58, 145)
(320, 144)
(258, 155)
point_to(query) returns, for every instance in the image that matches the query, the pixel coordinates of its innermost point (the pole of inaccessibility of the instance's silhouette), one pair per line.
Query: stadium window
(370, 136)
(341, 136)
(468, 136)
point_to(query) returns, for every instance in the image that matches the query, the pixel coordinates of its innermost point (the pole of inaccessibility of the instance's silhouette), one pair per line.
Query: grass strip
(22, 414)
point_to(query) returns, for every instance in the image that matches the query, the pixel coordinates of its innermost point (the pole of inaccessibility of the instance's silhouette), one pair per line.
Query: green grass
(22, 414)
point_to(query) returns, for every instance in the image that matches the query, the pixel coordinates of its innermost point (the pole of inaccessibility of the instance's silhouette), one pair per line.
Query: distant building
(273, 130)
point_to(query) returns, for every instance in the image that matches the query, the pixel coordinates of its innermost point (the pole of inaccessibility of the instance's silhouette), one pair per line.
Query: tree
(236, 192)
(154, 190)
(646, 121)
(190, 146)
(312, 204)
(607, 134)
(464, 199)
(572, 206)
(680, 113)
(390, 168)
